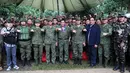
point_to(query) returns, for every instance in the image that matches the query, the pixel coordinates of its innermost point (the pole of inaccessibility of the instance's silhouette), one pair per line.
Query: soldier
(24, 42)
(121, 35)
(78, 41)
(29, 22)
(55, 24)
(37, 42)
(50, 40)
(63, 38)
(104, 48)
(112, 51)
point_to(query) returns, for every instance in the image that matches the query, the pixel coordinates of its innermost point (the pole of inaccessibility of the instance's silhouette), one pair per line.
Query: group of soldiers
(58, 34)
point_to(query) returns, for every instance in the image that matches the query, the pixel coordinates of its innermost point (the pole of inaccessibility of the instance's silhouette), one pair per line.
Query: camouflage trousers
(104, 50)
(25, 49)
(77, 50)
(38, 50)
(63, 50)
(50, 52)
(120, 53)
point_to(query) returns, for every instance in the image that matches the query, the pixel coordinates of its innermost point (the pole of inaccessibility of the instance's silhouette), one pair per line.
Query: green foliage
(109, 6)
(48, 13)
(28, 10)
(19, 11)
(7, 10)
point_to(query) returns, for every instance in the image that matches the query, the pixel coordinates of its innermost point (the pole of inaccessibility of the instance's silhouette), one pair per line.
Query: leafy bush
(109, 6)
(20, 11)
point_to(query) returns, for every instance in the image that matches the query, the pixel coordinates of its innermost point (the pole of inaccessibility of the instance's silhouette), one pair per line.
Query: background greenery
(105, 6)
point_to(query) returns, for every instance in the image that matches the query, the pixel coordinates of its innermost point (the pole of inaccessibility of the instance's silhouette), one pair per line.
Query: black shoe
(23, 62)
(60, 62)
(75, 61)
(36, 62)
(66, 62)
(28, 63)
(116, 67)
(40, 61)
(48, 63)
(80, 62)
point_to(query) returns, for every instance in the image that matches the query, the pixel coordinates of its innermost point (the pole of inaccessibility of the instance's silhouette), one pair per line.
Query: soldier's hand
(84, 30)
(104, 34)
(56, 43)
(32, 30)
(74, 31)
(42, 29)
(59, 29)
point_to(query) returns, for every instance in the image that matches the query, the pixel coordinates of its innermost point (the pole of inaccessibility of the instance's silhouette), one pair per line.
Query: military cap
(105, 16)
(8, 20)
(121, 14)
(49, 18)
(78, 19)
(37, 21)
(23, 20)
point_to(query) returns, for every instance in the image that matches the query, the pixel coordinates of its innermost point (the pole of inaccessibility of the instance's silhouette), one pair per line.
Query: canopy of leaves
(111, 6)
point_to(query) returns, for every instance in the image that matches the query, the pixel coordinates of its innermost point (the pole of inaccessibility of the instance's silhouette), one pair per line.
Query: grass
(57, 66)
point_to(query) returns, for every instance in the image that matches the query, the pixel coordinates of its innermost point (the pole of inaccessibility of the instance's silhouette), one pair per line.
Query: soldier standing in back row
(104, 48)
(37, 42)
(78, 41)
(63, 38)
(25, 42)
(121, 34)
(50, 40)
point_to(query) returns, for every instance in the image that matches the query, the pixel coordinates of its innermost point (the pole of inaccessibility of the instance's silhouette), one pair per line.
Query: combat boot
(40, 61)
(23, 62)
(75, 61)
(36, 62)
(106, 62)
(100, 61)
(28, 63)
(80, 61)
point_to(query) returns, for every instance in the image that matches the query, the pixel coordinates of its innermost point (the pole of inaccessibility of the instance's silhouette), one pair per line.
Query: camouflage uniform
(25, 42)
(78, 39)
(113, 45)
(121, 35)
(104, 48)
(63, 38)
(50, 39)
(37, 42)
